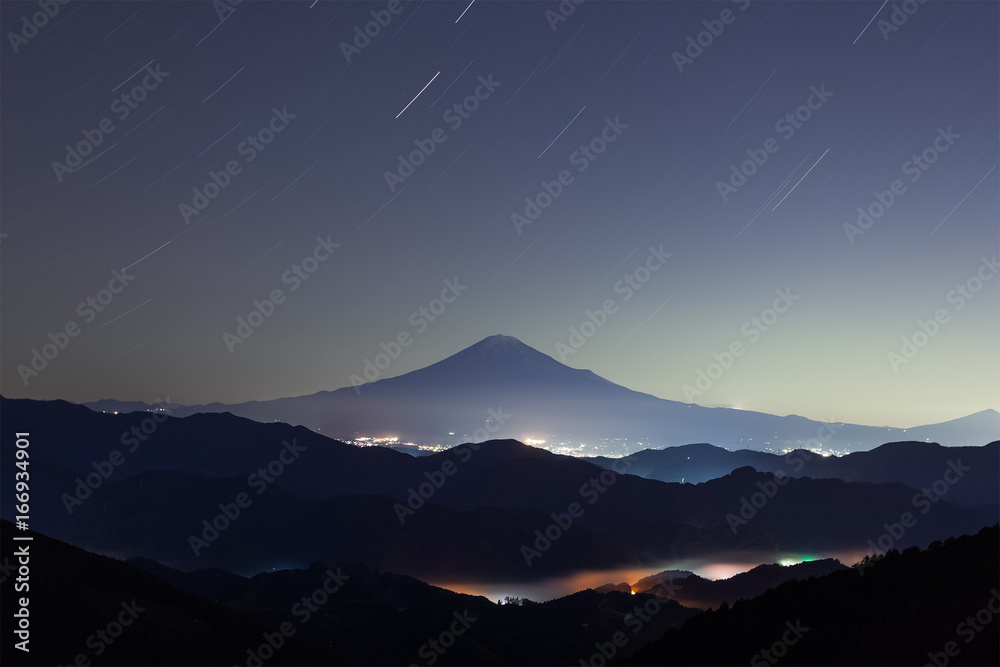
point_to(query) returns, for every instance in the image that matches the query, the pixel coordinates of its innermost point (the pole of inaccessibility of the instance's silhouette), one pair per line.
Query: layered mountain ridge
(449, 401)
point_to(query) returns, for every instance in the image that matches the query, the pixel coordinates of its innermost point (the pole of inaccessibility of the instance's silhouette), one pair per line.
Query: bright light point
(796, 560)
(532, 441)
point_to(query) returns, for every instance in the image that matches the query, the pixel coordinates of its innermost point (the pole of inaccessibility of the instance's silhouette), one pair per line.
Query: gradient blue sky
(826, 357)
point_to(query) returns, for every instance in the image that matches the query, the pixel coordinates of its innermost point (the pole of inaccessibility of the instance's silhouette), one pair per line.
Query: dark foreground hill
(700, 593)
(192, 521)
(938, 606)
(320, 615)
(469, 512)
(87, 609)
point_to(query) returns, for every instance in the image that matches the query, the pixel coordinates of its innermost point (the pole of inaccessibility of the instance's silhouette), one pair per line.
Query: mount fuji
(503, 388)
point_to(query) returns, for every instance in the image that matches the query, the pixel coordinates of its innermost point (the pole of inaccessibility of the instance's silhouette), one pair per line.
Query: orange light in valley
(550, 588)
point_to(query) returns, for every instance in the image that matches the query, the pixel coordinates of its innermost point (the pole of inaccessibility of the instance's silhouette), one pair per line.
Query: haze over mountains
(902, 609)
(502, 388)
(227, 522)
(468, 512)
(274, 238)
(211, 617)
(916, 464)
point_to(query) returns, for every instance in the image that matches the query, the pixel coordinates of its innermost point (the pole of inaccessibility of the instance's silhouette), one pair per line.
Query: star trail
(212, 152)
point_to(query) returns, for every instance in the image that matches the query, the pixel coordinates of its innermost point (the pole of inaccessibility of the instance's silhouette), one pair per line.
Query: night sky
(289, 145)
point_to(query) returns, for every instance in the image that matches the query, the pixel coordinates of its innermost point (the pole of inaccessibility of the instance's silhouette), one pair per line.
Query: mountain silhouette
(905, 608)
(900, 608)
(370, 617)
(74, 594)
(916, 464)
(502, 388)
(700, 593)
(478, 504)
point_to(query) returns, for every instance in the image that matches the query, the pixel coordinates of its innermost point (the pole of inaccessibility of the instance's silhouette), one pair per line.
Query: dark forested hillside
(907, 608)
